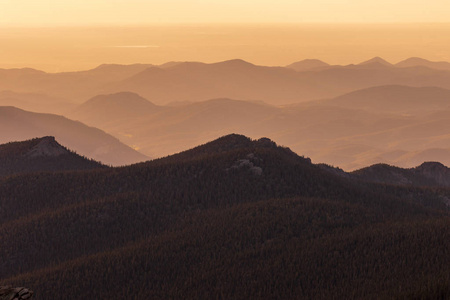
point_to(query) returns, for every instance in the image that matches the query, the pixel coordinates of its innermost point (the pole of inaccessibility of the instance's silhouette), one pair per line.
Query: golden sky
(63, 35)
(89, 12)
(77, 48)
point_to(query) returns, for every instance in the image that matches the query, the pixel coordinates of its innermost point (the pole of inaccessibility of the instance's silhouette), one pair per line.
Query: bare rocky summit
(18, 293)
(47, 146)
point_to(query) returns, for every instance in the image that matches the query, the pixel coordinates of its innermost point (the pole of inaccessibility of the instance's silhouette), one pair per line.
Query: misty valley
(227, 180)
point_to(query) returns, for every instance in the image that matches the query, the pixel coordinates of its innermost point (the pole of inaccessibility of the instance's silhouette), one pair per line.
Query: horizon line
(213, 62)
(231, 24)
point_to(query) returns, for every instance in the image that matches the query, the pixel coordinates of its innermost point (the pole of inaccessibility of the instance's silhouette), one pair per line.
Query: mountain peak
(47, 146)
(431, 166)
(421, 62)
(125, 97)
(232, 142)
(40, 155)
(415, 60)
(307, 65)
(121, 105)
(235, 63)
(377, 60)
(37, 147)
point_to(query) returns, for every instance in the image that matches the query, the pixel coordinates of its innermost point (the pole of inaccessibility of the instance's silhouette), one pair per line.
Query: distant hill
(40, 155)
(420, 62)
(113, 108)
(376, 60)
(399, 125)
(189, 81)
(162, 130)
(307, 65)
(17, 125)
(35, 102)
(427, 174)
(395, 99)
(236, 79)
(234, 218)
(109, 72)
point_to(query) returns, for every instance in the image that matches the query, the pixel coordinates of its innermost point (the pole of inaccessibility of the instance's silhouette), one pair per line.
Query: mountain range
(364, 214)
(237, 79)
(398, 125)
(233, 218)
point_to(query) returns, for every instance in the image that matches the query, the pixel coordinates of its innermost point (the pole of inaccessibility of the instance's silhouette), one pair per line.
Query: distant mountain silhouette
(112, 108)
(420, 62)
(397, 125)
(40, 155)
(116, 71)
(35, 102)
(236, 79)
(198, 81)
(307, 65)
(376, 60)
(17, 125)
(170, 129)
(395, 99)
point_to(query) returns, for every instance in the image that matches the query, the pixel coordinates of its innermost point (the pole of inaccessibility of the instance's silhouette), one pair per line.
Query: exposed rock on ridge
(47, 146)
(19, 293)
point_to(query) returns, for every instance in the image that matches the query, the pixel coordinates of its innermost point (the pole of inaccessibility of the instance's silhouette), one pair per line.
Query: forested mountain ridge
(234, 218)
(41, 155)
(427, 174)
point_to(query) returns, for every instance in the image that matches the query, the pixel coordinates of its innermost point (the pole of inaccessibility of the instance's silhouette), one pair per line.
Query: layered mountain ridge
(17, 124)
(192, 81)
(397, 125)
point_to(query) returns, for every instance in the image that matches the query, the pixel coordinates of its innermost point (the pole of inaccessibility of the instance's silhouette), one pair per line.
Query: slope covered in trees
(40, 155)
(234, 218)
(427, 174)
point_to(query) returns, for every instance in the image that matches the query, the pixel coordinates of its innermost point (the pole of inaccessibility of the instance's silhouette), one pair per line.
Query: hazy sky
(88, 12)
(62, 35)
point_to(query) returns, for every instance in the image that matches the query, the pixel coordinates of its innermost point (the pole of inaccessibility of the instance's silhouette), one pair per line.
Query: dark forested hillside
(39, 155)
(232, 219)
(427, 174)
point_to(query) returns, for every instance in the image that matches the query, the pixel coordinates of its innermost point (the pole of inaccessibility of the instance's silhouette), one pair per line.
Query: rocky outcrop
(47, 146)
(18, 293)
(435, 171)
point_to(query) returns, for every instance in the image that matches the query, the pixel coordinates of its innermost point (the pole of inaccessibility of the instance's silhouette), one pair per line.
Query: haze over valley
(348, 116)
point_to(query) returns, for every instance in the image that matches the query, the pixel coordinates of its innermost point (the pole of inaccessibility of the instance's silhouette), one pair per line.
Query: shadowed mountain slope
(427, 174)
(16, 125)
(40, 155)
(205, 224)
